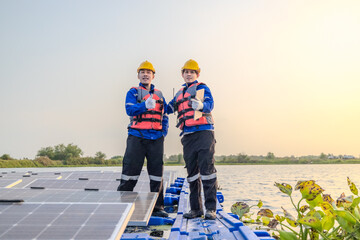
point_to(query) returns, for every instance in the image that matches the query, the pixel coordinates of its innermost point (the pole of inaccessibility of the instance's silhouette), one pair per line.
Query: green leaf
(310, 190)
(311, 222)
(314, 235)
(311, 213)
(266, 212)
(328, 222)
(344, 201)
(352, 186)
(279, 218)
(328, 209)
(290, 219)
(301, 184)
(356, 202)
(346, 215)
(304, 208)
(357, 213)
(287, 236)
(346, 225)
(315, 202)
(328, 198)
(284, 187)
(240, 208)
(265, 220)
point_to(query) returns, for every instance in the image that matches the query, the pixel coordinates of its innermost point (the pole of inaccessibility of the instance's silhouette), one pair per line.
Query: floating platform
(225, 226)
(86, 205)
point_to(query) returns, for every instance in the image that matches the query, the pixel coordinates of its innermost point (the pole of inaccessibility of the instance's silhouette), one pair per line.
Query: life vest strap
(148, 120)
(182, 120)
(177, 103)
(184, 111)
(153, 112)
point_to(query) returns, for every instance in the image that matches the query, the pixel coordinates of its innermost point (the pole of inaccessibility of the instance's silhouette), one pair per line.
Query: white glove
(196, 104)
(150, 103)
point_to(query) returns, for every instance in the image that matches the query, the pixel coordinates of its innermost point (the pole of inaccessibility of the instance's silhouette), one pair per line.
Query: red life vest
(152, 118)
(186, 112)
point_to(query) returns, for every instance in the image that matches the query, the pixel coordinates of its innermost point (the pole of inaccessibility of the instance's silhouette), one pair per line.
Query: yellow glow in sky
(284, 74)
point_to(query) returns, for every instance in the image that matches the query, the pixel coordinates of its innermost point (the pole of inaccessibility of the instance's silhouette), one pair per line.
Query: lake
(249, 183)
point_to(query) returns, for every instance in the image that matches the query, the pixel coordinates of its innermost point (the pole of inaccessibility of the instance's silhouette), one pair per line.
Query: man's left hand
(197, 104)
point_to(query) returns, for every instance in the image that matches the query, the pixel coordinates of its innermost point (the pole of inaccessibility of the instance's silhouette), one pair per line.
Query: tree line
(71, 155)
(60, 155)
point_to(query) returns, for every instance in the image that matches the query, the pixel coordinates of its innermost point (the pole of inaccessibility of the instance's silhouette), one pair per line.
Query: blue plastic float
(225, 226)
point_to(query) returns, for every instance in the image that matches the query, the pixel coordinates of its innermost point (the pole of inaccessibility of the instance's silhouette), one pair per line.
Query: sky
(284, 75)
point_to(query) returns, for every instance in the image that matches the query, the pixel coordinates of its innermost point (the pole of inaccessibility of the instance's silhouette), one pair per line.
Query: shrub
(6, 157)
(321, 216)
(44, 161)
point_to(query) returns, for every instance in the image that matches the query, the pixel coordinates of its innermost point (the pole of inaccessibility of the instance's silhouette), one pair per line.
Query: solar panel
(168, 177)
(94, 175)
(22, 179)
(144, 201)
(7, 183)
(95, 185)
(74, 184)
(36, 175)
(64, 220)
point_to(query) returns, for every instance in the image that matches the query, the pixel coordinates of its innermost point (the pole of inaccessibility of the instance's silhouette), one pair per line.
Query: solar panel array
(28, 179)
(64, 220)
(144, 201)
(54, 205)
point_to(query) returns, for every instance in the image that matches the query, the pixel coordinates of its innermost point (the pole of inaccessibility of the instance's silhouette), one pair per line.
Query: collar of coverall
(151, 87)
(187, 86)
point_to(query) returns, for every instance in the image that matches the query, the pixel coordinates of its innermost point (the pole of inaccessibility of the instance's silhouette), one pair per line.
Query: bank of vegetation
(60, 156)
(70, 155)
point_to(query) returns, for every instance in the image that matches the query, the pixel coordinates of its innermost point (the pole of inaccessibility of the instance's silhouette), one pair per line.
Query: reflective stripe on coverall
(136, 151)
(199, 149)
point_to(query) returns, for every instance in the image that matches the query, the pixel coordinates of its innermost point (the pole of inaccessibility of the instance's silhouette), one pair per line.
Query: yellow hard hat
(192, 65)
(146, 65)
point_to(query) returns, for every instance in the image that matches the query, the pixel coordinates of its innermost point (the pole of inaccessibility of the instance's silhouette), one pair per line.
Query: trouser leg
(190, 157)
(154, 156)
(207, 168)
(132, 163)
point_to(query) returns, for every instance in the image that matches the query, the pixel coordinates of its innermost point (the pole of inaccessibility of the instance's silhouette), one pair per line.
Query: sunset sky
(285, 75)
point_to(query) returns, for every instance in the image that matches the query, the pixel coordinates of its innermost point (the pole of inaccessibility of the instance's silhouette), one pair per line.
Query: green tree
(46, 152)
(323, 156)
(61, 152)
(180, 158)
(242, 158)
(6, 157)
(270, 155)
(100, 155)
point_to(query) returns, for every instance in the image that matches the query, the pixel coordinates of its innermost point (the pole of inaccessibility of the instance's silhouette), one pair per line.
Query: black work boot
(159, 213)
(193, 214)
(210, 215)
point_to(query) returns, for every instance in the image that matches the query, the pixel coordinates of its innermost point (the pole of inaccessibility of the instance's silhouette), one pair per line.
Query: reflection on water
(249, 183)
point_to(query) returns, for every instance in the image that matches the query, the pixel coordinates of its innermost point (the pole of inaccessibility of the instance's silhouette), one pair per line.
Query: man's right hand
(150, 103)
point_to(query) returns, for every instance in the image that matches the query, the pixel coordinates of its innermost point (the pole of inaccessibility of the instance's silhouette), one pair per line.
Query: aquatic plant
(320, 218)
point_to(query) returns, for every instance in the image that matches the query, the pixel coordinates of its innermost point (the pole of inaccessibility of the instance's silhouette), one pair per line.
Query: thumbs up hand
(150, 103)
(196, 104)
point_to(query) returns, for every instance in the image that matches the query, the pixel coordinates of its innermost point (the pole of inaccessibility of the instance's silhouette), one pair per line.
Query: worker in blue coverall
(198, 140)
(148, 126)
